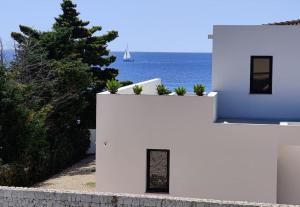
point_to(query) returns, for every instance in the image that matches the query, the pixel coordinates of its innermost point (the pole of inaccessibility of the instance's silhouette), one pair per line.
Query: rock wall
(30, 197)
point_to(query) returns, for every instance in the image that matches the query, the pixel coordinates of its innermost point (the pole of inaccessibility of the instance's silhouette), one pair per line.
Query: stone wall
(30, 197)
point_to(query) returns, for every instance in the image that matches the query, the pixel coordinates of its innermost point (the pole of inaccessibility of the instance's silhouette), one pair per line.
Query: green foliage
(90, 48)
(113, 86)
(137, 89)
(162, 90)
(72, 39)
(13, 119)
(41, 133)
(91, 184)
(22, 136)
(199, 89)
(12, 174)
(70, 19)
(180, 91)
(47, 96)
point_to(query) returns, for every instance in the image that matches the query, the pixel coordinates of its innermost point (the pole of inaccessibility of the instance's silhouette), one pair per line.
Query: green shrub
(113, 86)
(137, 89)
(12, 175)
(39, 133)
(199, 89)
(23, 144)
(180, 91)
(162, 90)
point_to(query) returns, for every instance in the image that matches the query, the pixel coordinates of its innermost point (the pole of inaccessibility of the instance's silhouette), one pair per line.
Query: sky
(151, 25)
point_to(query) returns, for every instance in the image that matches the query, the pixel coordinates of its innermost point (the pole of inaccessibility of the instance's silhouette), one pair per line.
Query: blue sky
(151, 25)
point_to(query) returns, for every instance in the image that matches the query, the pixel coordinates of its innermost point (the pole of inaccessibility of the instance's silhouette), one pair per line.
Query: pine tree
(72, 39)
(70, 19)
(93, 49)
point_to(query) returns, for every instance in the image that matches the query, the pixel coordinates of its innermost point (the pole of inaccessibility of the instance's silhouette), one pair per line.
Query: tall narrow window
(261, 75)
(158, 165)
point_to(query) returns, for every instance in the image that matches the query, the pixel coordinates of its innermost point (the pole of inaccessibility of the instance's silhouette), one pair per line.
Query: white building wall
(207, 160)
(288, 175)
(232, 48)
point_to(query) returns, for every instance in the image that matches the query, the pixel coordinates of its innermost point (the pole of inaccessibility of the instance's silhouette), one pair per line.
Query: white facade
(229, 145)
(232, 48)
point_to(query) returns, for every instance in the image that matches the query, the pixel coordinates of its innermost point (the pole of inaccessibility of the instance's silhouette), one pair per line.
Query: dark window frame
(252, 91)
(157, 190)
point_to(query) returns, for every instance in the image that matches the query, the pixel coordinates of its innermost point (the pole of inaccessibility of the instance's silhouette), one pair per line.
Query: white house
(240, 142)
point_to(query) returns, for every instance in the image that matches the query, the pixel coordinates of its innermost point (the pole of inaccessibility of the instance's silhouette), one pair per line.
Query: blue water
(175, 69)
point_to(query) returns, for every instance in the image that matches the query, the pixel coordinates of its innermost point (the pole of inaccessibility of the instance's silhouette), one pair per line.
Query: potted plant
(137, 89)
(113, 86)
(162, 90)
(180, 91)
(199, 89)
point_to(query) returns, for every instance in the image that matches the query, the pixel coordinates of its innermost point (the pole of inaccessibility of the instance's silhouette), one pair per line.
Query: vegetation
(137, 89)
(71, 39)
(180, 91)
(199, 89)
(113, 86)
(162, 90)
(91, 184)
(47, 96)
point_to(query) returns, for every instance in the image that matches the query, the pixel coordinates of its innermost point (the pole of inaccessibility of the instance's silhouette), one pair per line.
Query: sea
(174, 69)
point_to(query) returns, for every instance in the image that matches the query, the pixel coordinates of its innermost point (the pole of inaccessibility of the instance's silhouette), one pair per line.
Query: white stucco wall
(207, 160)
(236, 161)
(289, 175)
(232, 48)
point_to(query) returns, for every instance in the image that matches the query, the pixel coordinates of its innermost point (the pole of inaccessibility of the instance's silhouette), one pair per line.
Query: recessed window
(158, 164)
(261, 75)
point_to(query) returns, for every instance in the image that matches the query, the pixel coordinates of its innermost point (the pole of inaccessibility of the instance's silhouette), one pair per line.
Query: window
(261, 75)
(158, 164)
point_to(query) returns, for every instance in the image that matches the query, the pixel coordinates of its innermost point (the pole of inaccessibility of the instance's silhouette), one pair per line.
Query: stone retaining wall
(30, 197)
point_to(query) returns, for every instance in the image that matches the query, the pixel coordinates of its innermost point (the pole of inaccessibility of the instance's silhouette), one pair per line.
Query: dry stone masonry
(30, 197)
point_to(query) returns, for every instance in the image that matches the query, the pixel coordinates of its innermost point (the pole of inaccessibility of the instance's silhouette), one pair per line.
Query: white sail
(127, 55)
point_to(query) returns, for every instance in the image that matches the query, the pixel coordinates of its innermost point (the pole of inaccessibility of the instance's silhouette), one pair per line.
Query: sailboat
(127, 56)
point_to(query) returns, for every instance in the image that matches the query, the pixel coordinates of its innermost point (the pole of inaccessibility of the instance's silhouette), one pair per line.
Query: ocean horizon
(174, 68)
